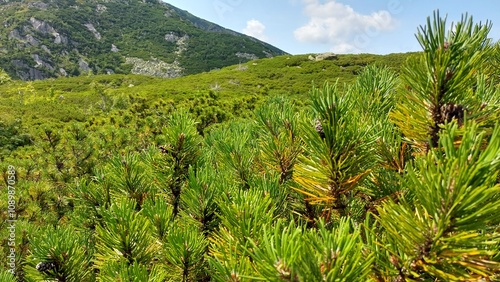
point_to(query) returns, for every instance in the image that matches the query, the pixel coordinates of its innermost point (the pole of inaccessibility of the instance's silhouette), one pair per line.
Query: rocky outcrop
(324, 56)
(84, 66)
(155, 67)
(101, 8)
(92, 29)
(47, 38)
(45, 28)
(25, 72)
(247, 56)
(171, 37)
(182, 44)
(41, 63)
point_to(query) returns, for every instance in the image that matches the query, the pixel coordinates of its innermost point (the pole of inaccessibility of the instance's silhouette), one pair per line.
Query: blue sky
(340, 26)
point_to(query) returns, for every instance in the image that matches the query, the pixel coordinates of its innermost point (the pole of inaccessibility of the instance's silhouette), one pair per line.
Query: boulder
(326, 56)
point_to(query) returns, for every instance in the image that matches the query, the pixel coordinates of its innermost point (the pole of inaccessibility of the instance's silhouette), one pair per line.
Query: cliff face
(52, 38)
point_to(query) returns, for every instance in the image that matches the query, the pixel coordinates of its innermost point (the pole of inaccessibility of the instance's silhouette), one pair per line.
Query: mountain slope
(212, 97)
(52, 38)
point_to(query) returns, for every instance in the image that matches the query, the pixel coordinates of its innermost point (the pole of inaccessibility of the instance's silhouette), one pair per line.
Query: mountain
(52, 38)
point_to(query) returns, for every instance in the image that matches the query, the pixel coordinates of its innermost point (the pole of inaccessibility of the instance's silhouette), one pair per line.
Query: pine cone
(44, 267)
(452, 111)
(319, 128)
(164, 149)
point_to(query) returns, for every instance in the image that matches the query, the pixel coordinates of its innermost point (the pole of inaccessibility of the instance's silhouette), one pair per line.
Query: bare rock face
(84, 66)
(45, 28)
(155, 67)
(171, 37)
(25, 72)
(101, 8)
(182, 44)
(46, 49)
(14, 34)
(92, 29)
(32, 40)
(40, 63)
(42, 26)
(247, 56)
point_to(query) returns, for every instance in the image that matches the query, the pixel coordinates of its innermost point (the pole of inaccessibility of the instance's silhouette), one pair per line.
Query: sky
(339, 26)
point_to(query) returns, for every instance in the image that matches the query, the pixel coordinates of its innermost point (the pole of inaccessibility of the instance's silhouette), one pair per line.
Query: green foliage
(121, 271)
(439, 81)
(124, 236)
(199, 200)
(338, 152)
(128, 176)
(63, 253)
(181, 150)
(12, 137)
(448, 232)
(7, 276)
(4, 77)
(184, 250)
(280, 137)
(237, 175)
(288, 253)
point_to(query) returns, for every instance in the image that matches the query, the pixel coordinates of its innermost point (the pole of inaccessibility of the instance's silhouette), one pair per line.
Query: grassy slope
(232, 87)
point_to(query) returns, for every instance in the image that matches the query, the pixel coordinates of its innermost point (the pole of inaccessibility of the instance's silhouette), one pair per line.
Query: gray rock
(155, 67)
(14, 34)
(84, 66)
(40, 63)
(60, 39)
(32, 40)
(45, 28)
(25, 72)
(247, 56)
(326, 56)
(268, 55)
(42, 26)
(38, 5)
(182, 44)
(114, 48)
(171, 37)
(46, 49)
(94, 31)
(101, 8)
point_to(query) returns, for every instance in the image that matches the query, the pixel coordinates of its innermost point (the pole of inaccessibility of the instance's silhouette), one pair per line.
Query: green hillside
(214, 96)
(42, 39)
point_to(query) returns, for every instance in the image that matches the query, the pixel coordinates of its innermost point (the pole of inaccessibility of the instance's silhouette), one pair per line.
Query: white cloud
(339, 26)
(255, 29)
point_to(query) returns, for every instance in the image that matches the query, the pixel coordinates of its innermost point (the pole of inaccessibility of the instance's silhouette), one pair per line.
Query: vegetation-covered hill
(41, 39)
(214, 97)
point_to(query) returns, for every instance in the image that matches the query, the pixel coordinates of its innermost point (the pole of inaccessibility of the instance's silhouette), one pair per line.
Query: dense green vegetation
(361, 168)
(211, 97)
